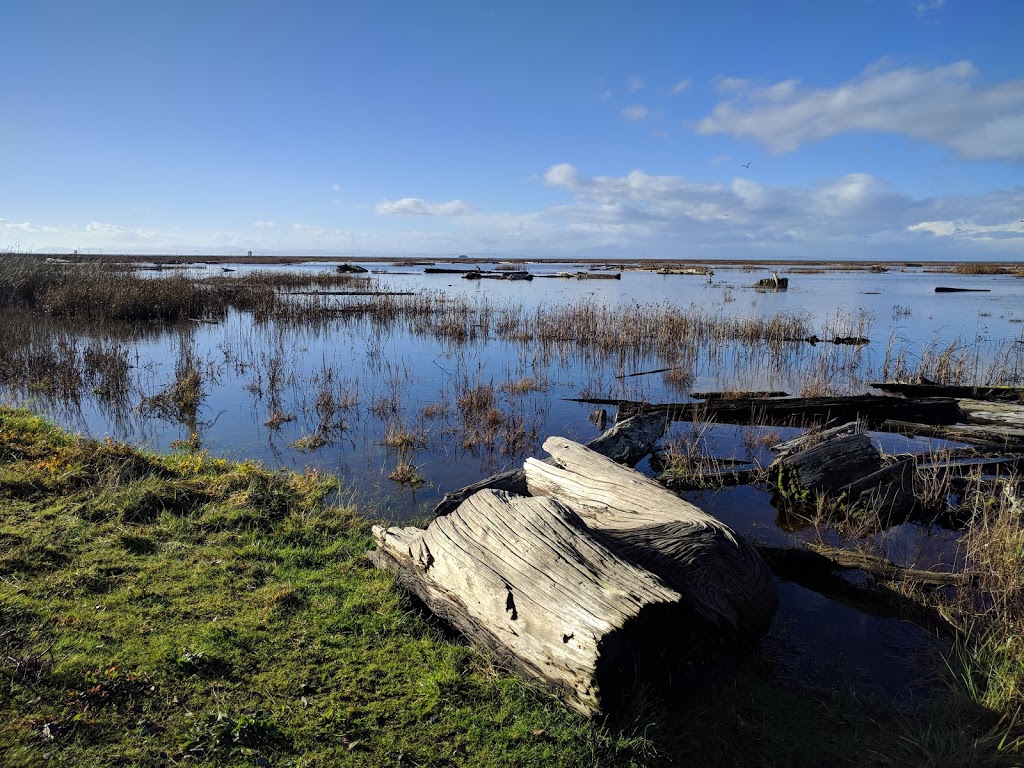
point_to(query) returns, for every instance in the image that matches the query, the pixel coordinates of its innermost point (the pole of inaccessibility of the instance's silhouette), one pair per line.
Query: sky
(846, 129)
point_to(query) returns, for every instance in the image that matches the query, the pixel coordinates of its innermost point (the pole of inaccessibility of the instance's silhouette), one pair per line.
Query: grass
(185, 610)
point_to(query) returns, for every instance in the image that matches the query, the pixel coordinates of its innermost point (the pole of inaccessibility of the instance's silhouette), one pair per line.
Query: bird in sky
(747, 165)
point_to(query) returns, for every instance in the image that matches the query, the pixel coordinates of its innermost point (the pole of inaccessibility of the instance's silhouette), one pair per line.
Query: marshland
(381, 389)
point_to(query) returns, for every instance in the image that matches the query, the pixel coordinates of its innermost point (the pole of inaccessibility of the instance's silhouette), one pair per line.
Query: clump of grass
(406, 473)
(310, 443)
(978, 268)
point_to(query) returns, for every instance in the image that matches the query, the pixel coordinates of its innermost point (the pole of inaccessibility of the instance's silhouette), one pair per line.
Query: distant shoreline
(625, 264)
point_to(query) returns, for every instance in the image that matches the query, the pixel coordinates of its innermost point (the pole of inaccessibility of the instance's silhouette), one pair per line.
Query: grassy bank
(166, 610)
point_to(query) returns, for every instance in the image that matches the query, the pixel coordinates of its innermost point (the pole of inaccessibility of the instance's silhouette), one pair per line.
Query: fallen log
(996, 438)
(525, 578)
(720, 574)
(946, 289)
(871, 409)
(998, 414)
(627, 443)
(1009, 394)
(845, 466)
(738, 394)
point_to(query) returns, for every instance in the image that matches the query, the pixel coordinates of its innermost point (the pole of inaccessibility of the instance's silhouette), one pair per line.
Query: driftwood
(1009, 394)
(946, 289)
(831, 465)
(627, 442)
(524, 577)
(601, 584)
(811, 437)
(733, 395)
(996, 438)
(845, 464)
(720, 574)
(872, 409)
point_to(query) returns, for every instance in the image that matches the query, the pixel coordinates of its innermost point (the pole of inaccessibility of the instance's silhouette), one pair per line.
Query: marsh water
(402, 414)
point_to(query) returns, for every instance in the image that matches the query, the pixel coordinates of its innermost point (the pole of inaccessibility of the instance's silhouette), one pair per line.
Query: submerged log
(627, 442)
(525, 578)
(946, 289)
(720, 574)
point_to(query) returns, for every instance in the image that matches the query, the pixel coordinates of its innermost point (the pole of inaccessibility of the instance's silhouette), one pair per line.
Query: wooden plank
(996, 438)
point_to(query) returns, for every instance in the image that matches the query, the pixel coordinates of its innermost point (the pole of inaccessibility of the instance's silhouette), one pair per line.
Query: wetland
(407, 384)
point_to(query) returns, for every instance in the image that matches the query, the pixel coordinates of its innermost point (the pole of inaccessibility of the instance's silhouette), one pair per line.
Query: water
(403, 380)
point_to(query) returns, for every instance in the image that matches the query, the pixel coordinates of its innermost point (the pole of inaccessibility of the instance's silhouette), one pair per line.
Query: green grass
(184, 610)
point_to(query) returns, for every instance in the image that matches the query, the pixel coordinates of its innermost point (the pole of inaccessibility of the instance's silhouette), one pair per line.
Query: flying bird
(745, 166)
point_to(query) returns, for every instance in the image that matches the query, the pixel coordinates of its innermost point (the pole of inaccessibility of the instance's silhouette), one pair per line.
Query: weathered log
(1001, 414)
(813, 437)
(720, 574)
(848, 465)
(627, 442)
(1009, 394)
(947, 289)
(831, 465)
(753, 395)
(1008, 439)
(524, 577)
(872, 409)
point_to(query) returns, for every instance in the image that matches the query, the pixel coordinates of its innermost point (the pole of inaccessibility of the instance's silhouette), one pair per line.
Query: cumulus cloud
(857, 210)
(335, 187)
(417, 206)
(944, 105)
(635, 113)
(635, 84)
(681, 86)
(263, 224)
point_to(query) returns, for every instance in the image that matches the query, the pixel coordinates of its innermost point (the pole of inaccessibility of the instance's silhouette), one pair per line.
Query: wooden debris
(720, 574)
(524, 577)
(738, 394)
(1008, 394)
(350, 269)
(872, 409)
(773, 283)
(627, 442)
(945, 289)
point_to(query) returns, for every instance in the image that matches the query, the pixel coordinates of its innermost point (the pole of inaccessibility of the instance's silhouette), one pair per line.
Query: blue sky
(848, 129)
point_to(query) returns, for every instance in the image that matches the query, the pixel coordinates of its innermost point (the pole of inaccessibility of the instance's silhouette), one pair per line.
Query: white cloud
(681, 86)
(635, 84)
(924, 7)
(561, 175)
(417, 206)
(635, 113)
(262, 224)
(335, 187)
(943, 105)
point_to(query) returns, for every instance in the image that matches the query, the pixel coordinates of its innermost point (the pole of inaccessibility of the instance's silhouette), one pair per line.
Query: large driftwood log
(627, 443)
(722, 577)
(524, 577)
